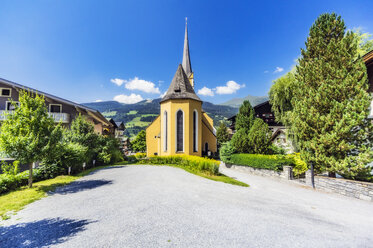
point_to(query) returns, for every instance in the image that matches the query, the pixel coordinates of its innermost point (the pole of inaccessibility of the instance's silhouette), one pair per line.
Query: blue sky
(129, 50)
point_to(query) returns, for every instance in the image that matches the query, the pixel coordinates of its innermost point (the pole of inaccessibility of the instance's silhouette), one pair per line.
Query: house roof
(368, 57)
(180, 87)
(95, 112)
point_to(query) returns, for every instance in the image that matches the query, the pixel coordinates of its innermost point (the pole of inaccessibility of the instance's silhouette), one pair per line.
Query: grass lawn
(135, 122)
(18, 199)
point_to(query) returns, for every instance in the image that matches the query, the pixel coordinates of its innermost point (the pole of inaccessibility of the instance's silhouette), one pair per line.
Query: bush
(132, 159)
(108, 150)
(274, 149)
(10, 168)
(268, 162)
(12, 182)
(48, 171)
(140, 155)
(194, 163)
(226, 152)
(300, 166)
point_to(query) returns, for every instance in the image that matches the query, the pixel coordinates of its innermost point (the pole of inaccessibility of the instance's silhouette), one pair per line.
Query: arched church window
(195, 131)
(179, 131)
(165, 130)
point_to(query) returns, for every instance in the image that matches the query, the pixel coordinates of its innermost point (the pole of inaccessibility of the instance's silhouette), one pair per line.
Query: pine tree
(244, 121)
(245, 116)
(259, 137)
(222, 134)
(331, 102)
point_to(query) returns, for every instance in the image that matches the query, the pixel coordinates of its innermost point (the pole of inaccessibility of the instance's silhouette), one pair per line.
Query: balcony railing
(58, 117)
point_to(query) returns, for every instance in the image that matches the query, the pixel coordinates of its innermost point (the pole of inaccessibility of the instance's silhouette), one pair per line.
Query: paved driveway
(148, 206)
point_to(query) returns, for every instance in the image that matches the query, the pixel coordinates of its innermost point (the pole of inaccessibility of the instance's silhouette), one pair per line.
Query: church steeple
(187, 66)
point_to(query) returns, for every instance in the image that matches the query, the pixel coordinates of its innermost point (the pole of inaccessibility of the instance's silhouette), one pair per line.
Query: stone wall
(286, 173)
(356, 189)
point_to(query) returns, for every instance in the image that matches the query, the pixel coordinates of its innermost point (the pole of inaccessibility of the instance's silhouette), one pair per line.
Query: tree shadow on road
(82, 185)
(40, 233)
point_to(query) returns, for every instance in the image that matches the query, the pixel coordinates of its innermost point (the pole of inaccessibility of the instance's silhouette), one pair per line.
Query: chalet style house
(264, 112)
(368, 59)
(59, 109)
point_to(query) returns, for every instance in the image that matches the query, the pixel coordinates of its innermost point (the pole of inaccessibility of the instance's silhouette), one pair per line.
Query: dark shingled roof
(180, 87)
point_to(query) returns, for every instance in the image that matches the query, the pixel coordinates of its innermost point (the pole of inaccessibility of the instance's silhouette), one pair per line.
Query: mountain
(254, 100)
(138, 116)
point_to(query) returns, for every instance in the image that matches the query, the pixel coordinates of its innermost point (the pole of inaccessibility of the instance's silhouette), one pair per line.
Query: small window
(10, 106)
(55, 108)
(5, 92)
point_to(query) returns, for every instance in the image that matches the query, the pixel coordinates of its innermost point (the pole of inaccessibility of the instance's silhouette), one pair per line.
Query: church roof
(180, 87)
(187, 66)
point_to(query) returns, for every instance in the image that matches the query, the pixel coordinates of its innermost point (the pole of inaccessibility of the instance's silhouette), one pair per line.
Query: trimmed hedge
(195, 163)
(268, 162)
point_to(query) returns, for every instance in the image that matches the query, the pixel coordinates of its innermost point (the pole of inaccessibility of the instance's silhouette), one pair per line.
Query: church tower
(182, 128)
(187, 66)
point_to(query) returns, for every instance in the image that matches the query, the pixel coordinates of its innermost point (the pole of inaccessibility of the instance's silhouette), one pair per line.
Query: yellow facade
(156, 132)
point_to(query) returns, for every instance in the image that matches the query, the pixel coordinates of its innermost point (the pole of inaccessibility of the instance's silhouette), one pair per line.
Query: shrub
(131, 159)
(300, 166)
(48, 171)
(108, 150)
(226, 152)
(12, 182)
(274, 149)
(268, 162)
(140, 155)
(194, 163)
(10, 168)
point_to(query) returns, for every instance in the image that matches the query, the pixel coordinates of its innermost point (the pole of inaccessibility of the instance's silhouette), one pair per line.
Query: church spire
(186, 58)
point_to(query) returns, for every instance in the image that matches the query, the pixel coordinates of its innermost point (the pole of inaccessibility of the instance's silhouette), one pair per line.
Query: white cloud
(137, 84)
(278, 69)
(205, 92)
(230, 88)
(98, 100)
(266, 71)
(128, 99)
(118, 81)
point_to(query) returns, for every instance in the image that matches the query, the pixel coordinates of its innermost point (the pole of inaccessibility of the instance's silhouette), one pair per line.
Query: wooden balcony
(58, 117)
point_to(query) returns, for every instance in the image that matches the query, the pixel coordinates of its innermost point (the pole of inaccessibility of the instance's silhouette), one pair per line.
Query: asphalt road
(148, 206)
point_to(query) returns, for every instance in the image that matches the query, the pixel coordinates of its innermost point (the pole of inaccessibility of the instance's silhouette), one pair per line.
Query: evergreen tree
(245, 116)
(29, 134)
(222, 134)
(139, 143)
(244, 121)
(259, 137)
(331, 102)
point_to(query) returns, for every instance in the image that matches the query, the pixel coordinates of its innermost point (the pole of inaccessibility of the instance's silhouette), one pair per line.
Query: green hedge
(194, 163)
(11, 182)
(268, 162)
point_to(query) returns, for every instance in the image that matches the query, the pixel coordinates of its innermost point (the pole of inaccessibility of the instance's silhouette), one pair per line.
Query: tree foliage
(222, 134)
(245, 116)
(259, 137)
(330, 101)
(29, 134)
(139, 143)
(280, 96)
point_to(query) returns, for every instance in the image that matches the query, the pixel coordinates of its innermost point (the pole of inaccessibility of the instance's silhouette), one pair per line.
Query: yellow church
(182, 126)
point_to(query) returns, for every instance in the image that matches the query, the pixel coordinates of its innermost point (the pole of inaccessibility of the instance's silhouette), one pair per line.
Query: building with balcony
(61, 110)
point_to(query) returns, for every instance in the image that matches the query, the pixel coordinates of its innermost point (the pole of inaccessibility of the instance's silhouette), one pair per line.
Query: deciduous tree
(29, 134)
